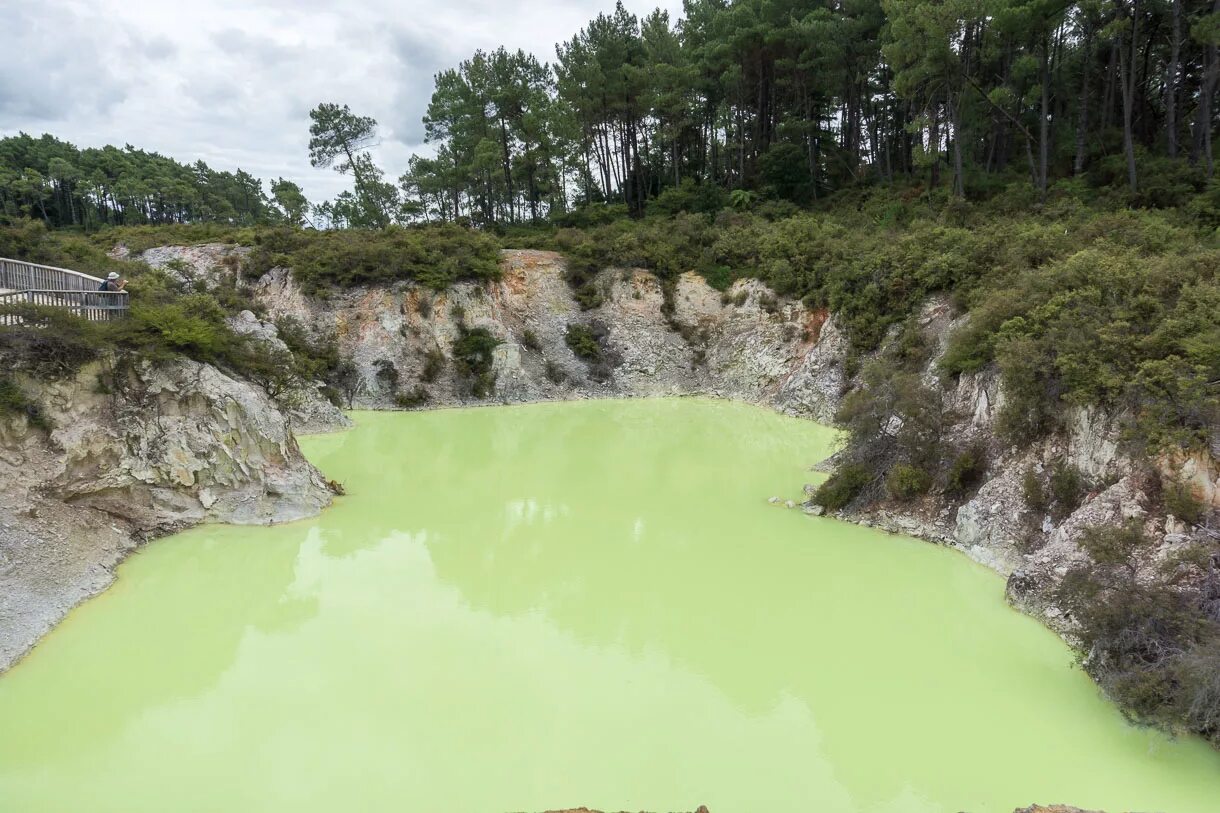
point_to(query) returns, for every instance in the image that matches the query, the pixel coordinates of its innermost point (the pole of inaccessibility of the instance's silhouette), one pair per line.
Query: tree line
(797, 98)
(736, 100)
(54, 181)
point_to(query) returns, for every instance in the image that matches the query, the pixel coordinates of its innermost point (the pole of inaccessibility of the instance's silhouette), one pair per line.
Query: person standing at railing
(112, 283)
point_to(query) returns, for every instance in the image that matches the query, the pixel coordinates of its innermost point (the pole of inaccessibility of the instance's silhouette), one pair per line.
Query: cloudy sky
(232, 82)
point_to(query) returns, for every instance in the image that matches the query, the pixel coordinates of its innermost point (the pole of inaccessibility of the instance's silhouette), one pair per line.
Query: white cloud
(231, 82)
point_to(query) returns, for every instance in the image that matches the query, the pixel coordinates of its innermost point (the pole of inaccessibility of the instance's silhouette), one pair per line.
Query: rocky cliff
(745, 344)
(131, 454)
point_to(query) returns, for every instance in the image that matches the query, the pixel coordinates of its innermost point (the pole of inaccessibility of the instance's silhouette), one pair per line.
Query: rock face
(207, 263)
(306, 407)
(744, 344)
(169, 447)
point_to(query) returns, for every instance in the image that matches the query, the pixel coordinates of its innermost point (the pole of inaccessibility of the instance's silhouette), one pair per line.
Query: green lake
(524, 608)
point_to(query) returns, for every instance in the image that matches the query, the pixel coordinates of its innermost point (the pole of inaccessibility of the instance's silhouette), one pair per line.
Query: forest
(736, 103)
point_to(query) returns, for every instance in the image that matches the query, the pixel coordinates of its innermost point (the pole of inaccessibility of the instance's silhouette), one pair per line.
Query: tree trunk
(1126, 73)
(1202, 143)
(959, 183)
(1171, 82)
(1044, 119)
(1082, 119)
(934, 145)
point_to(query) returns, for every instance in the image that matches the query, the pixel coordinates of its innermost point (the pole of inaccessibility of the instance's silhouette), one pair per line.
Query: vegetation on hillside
(1153, 645)
(168, 319)
(1047, 169)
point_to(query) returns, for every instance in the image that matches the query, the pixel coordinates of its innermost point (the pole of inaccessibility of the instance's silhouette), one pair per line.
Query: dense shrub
(434, 365)
(417, 397)
(1181, 502)
(581, 340)
(387, 374)
(1154, 647)
(842, 487)
(893, 414)
(472, 357)
(49, 342)
(906, 482)
(1067, 488)
(435, 255)
(13, 401)
(1034, 492)
(966, 471)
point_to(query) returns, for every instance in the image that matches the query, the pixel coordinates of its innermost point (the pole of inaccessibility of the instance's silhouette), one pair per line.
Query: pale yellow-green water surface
(522, 608)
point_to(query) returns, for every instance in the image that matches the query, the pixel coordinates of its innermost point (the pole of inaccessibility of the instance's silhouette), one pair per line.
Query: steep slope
(130, 455)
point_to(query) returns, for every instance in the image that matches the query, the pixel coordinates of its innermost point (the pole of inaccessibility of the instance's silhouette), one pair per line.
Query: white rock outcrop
(132, 454)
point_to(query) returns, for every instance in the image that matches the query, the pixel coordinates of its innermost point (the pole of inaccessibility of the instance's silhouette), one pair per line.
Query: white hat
(112, 275)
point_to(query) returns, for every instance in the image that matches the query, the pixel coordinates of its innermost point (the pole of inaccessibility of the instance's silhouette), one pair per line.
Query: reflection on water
(530, 607)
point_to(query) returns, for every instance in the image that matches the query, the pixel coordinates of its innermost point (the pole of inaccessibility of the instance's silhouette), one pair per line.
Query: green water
(523, 608)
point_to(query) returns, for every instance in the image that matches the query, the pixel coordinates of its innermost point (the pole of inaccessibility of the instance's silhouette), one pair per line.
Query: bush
(1181, 502)
(582, 341)
(529, 340)
(415, 398)
(434, 365)
(1067, 489)
(13, 401)
(1033, 492)
(905, 482)
(387, 374)
(966, 471)
(842, 487)
(555, 373)
(1153, 647)
(49, 342)
(434, 255)
(472, 357)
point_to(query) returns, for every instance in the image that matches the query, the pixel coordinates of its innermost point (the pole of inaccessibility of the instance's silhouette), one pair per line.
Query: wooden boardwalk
(23, 283)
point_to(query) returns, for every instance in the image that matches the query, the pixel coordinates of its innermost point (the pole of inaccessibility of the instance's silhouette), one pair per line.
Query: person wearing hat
(112, 283)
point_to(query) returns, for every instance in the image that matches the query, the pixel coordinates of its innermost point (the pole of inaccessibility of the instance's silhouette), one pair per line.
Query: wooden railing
(96, 306)
(23, 283)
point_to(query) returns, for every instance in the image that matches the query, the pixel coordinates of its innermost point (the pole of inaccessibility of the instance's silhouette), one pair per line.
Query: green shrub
(434, 255)
(315, 356)
(387, 374)
(1181, 502)
(49, 343)
(472, 357)
(529, 340)
(13, 401)
(581, 340)
(966, 471)
(1067, 488)
(415, 398)
(555, 373)
(1153, 647)
(434, 365)
(842, 487)
(905, 482)
(1034, 492)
